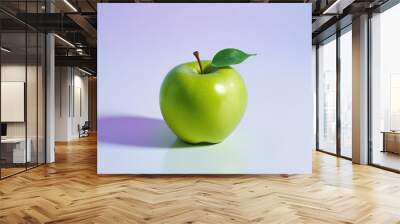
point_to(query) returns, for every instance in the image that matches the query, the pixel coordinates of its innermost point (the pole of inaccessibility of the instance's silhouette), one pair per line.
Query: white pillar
(50, 92)
(50, 99)
(360, 90)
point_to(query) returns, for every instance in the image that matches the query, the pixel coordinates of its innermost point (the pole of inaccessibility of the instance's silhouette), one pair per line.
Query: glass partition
(14, 155)
(31, 99)
(22, 101)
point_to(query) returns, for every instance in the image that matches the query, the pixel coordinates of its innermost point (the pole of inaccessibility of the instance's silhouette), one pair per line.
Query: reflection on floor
(386, 159)
(346, 151)
(10, 169)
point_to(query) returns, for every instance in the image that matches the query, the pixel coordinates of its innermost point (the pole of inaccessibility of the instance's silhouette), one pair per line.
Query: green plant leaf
(229, 56)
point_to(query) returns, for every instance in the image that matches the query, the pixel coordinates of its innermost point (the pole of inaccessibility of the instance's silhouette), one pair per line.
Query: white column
(50, 100)
(360, 90)
(50, 92)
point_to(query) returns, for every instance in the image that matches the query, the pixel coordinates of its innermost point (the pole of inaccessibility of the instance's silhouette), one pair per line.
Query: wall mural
(204, 89)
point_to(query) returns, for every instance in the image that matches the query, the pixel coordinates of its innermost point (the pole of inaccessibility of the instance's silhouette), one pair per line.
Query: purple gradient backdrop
(139, 43)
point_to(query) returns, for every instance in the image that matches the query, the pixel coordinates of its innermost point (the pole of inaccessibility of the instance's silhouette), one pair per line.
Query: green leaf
(229, 56)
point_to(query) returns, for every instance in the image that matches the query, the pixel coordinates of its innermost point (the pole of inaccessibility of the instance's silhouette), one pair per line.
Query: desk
(391, 141)
(15, 148)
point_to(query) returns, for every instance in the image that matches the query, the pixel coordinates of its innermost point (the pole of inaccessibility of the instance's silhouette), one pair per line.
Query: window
(327, 95)
(346, 92)
(385, 89)
(334, 106)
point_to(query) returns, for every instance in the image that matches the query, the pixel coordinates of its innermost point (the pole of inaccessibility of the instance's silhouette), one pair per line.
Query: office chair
(84, 130)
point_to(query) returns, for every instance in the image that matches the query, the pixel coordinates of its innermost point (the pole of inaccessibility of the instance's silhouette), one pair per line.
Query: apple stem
(197, 55)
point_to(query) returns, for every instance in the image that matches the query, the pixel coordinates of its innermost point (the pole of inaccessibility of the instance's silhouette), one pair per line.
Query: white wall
(17, 72)
(80, 108)
(62, 81)
(14, 72)
(70, 83)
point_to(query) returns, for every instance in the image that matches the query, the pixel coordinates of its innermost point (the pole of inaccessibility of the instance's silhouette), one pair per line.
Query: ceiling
(76, 21)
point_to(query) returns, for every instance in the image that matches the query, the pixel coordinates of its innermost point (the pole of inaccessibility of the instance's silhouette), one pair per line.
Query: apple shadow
(138, 131)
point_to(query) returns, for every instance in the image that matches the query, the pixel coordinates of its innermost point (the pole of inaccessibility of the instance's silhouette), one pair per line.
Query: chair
(84, 130)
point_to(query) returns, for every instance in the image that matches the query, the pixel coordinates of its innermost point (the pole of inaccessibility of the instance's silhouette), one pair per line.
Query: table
(391, 141)
(15, 148)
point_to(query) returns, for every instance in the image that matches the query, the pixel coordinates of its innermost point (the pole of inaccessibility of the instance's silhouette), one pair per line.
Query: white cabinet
(17, 145)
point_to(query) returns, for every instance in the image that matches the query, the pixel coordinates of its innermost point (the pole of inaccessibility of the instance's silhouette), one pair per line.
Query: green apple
(204, 105)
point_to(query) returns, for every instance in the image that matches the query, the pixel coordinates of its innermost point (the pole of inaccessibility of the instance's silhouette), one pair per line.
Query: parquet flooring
(10, 171)
(70, 191)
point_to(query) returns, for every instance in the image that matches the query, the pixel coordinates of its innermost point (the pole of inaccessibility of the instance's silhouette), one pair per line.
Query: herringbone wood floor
(70, 191)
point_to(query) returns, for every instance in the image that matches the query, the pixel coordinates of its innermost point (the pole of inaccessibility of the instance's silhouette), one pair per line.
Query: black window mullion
(37, 89)
(338, 91)
(317, 96)
(26, 86)
(369, 95)
(0, 97)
